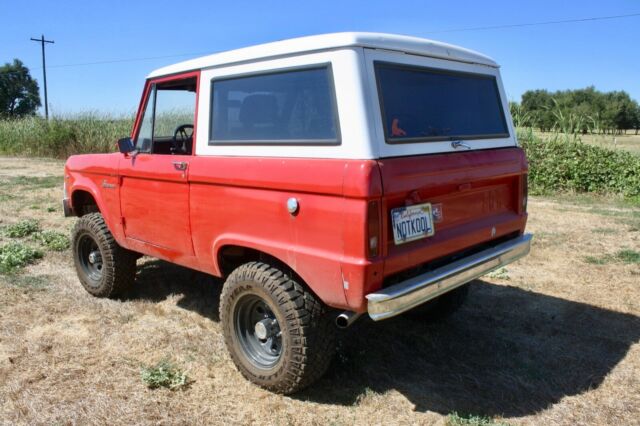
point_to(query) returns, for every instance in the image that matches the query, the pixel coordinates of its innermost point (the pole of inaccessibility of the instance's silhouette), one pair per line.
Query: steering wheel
(181, 136)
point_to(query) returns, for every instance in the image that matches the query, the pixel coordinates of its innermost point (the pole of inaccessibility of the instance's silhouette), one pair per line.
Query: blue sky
(562, 56)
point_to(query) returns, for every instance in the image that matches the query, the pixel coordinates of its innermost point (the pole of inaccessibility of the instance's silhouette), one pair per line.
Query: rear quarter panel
(243, 201)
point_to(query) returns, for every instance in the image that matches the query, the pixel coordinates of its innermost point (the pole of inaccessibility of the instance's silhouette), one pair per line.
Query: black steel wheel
(104, 268)
(279, 335)
(90, 258)
(258, 331)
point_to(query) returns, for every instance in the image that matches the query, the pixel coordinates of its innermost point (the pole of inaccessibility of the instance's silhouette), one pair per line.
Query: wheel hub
(95, 257)
(265, 328)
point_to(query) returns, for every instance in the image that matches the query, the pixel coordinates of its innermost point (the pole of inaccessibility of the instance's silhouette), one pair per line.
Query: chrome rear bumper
(401, 297)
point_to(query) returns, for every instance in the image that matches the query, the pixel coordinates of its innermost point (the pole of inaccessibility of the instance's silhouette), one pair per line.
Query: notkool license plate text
(412, 222)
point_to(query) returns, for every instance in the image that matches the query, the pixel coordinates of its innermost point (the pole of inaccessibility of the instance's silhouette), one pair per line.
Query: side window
(167, 124)
(174, 107)
(287, 107)
(143, 140)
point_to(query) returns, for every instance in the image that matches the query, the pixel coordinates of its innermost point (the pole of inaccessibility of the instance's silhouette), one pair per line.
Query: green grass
(29, 282)
(22, 229)
(501, 274)
(455, 419)
(53, 240)
(164, 374)
(625, 256)
(628, 256)
(605, 231)
(621, 210)
(15, 255)
(596, 200)
(36, 182)
(595, 260)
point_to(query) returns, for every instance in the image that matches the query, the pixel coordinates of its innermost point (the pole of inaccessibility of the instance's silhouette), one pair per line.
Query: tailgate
(476, 197)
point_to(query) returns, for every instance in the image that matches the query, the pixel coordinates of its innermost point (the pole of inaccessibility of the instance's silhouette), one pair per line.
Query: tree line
(577, 111)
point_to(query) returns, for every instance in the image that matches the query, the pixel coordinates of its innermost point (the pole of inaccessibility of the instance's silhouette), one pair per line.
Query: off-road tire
(307, 332)
(118, 267)
(441, 307)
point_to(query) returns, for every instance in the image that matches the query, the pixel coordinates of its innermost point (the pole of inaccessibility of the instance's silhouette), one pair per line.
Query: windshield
(424, 104)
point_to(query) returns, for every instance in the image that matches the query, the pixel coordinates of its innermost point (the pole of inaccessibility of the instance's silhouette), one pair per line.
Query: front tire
(104, 268)
(279, 335)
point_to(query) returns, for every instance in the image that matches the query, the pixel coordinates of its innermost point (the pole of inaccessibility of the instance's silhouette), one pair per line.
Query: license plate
(411, 223)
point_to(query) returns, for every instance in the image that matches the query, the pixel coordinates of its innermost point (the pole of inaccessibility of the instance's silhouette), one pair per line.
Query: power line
(493, 27)
(533, 24)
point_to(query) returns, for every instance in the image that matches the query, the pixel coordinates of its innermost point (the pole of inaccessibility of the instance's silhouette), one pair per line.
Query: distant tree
(580, 111)
(19, 94)
(538, 104)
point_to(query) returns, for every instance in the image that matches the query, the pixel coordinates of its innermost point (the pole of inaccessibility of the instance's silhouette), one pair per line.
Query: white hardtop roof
(400, 43)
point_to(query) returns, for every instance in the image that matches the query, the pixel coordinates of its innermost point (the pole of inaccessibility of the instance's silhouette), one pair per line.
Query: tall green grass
(61, 137)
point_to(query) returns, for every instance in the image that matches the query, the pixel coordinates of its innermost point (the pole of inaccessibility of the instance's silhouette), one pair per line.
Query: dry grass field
(553, 339)
(628, 142)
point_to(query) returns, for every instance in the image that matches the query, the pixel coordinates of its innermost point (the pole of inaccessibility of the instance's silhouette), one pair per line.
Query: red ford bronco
(323, 177)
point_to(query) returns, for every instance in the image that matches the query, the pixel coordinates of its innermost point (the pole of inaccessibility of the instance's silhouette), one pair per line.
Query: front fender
(107, 199)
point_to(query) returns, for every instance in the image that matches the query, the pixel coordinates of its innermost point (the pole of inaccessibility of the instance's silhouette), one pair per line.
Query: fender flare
(92, 190)
(327, 286)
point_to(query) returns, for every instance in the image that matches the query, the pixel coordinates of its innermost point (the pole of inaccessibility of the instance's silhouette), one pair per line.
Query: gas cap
(292, 205)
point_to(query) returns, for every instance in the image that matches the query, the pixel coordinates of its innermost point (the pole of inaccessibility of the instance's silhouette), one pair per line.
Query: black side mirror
(125, 145)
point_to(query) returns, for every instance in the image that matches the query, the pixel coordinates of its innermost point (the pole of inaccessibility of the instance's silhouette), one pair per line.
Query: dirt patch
(553, 339)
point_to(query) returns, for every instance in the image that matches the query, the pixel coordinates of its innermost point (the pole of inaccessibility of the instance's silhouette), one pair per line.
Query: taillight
(525, 192)
(373, 228)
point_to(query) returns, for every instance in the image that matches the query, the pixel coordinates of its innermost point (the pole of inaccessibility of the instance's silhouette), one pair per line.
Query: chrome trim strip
(415, 291)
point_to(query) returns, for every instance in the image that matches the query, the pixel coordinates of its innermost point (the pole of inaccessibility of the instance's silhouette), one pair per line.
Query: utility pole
(44, 73)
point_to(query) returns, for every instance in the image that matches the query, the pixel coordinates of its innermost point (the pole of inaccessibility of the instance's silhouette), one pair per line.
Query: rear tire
(279, 335)
(441, 307)
(104, 268)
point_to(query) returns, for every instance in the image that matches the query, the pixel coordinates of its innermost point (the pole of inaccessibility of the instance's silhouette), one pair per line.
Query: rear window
(425, 104)
(290, 107)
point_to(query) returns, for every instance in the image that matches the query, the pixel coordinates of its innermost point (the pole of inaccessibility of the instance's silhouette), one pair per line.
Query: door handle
(180, 165)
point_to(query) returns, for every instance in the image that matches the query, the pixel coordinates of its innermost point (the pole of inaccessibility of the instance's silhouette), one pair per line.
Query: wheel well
(83, 203)
(231, 256)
